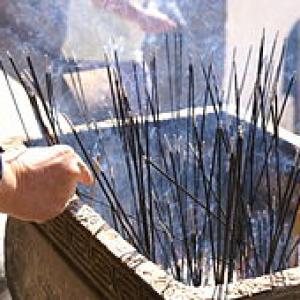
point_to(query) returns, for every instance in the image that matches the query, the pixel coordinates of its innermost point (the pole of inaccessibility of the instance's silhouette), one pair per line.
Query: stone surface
(42, 273)
(39, 271)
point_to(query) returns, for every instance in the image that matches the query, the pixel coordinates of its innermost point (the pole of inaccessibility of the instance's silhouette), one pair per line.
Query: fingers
(84, 174)
(58, 150)
(76, 164)
(60, 156)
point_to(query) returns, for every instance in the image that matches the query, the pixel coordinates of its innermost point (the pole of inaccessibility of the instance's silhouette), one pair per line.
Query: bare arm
(149, 21)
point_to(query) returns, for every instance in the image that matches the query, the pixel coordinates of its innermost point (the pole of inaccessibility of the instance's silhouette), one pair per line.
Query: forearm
(123, 8)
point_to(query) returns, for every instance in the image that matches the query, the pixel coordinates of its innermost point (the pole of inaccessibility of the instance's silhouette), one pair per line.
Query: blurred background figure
(62, 29)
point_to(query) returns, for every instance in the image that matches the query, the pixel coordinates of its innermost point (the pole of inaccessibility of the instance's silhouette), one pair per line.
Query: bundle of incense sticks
(202, 192)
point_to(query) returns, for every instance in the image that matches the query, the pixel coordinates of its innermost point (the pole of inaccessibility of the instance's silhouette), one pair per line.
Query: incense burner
(78, 255)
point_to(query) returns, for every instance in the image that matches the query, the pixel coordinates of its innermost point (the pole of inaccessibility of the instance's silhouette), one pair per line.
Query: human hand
(38, 183)
(153, 21)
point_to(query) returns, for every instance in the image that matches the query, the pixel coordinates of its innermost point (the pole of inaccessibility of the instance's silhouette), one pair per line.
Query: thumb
(84, 174)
